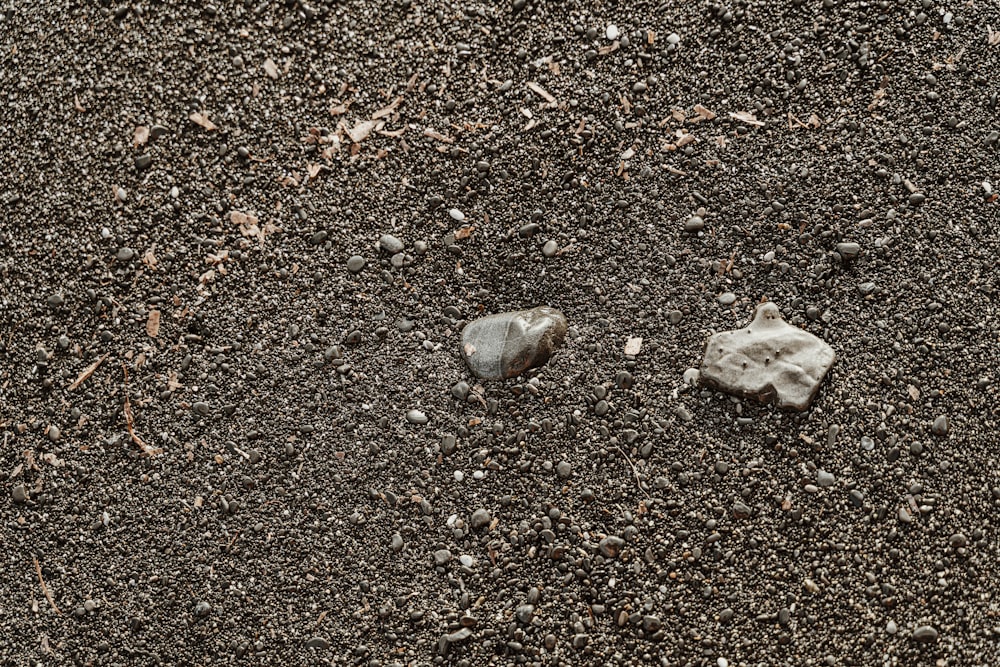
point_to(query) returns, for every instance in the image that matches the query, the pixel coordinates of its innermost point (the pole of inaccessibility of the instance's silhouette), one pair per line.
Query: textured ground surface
(296, 516)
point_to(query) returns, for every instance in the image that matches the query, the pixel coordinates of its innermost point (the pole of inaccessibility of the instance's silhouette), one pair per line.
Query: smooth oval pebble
(390, 244)
(694, 224)
(507, 344)
(416, 417)
(456, 214)
(355, 263)
(925, 633)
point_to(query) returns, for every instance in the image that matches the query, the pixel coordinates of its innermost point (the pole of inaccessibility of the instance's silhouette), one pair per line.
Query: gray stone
(20, 493)
(416, 417)
(507, 344)
(694, 224)
(525, 613)
(611, 545)
(824, 478)
(317, 642)
(925, 633)
(849, 251)
(769, 360)
(442, 557)
(564, 469)
(449, 444)
(480, 519)
(460, 390)
(355, 263)
(940, 426)
(458, 636)
(390, 244)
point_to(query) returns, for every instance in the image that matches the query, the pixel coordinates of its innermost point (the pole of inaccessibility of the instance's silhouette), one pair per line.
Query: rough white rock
(769, 360)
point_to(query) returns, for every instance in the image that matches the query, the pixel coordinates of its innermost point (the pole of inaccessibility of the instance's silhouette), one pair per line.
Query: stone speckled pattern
(770, 360)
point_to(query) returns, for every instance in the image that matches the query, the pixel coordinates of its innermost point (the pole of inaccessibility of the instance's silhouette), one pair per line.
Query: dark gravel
(278, 217)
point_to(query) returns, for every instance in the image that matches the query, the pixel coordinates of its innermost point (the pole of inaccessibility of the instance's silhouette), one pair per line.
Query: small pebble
(390, 244)
(456, 214)
(610, 546)
(925, 633)
(355, 263)
(940, 426)
(481, 518)
(525, 613)
(694, 224)
(20, 494)
(416, 417)
(564, 469)
(460, 390)
(849, 251)
(727, 298)
(612, 32)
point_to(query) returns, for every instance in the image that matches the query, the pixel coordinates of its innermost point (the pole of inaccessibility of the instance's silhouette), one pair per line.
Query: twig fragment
(635, 472)
(87, 372)
(45, 589)
(130, 423)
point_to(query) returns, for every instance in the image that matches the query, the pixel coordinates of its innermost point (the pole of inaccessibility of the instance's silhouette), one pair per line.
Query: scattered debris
(202, 120)
(87, 372)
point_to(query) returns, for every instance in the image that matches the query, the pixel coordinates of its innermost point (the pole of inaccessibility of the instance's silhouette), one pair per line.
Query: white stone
(769, 360)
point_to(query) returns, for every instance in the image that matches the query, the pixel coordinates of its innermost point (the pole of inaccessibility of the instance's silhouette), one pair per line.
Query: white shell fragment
(506, 345)
(770, 360)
